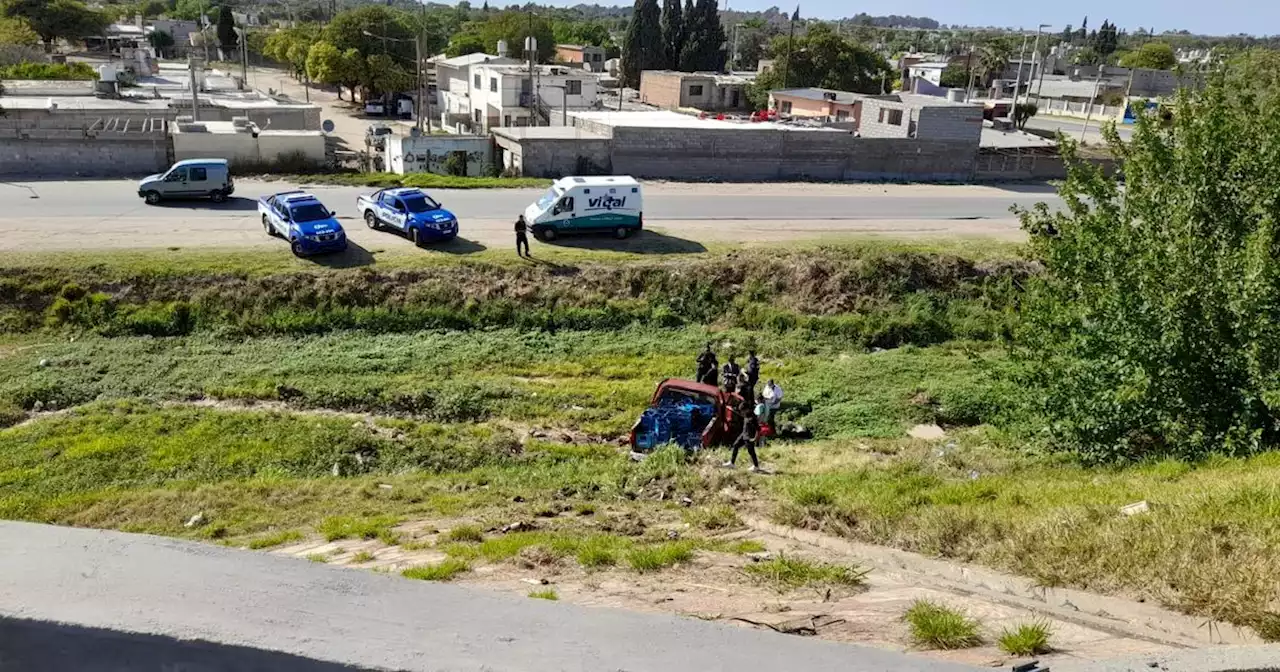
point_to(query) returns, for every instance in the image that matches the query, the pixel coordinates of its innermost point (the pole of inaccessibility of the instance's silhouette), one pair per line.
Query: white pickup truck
(411, 212)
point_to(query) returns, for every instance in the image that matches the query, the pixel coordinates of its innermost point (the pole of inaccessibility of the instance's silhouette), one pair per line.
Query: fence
(1068, 108)
(84, 146)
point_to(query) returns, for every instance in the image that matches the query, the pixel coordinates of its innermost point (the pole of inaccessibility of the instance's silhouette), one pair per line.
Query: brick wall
(660, 88)
(554, 158)
(958, 122)
(876, 115)
(76, 156)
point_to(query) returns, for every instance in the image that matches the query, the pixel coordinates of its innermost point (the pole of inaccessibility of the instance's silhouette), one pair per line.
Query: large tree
(672, 33)
(642, 47)
(704, 39)
(57, 19)
(324, 64)
(227, 38)
(1154, 327)
(1154, 55)
(824, 59)
(510, 27)
(17, 32)
(372, 29)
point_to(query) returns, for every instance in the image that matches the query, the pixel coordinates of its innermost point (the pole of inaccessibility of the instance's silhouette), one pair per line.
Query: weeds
(350, 527)
(713, 518)
(444, 570)
(547, 594)
(657, 557)
(465, 533)
(318, 557)
(363, 557)
(935, 626)
(275, 539)
(785, 573)
(1028, 639)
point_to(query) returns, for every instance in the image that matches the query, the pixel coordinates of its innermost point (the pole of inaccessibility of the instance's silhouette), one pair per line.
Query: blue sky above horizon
(1223, 17)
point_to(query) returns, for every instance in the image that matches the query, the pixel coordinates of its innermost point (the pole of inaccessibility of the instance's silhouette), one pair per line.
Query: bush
(445, 570)
(1028, 639)
(1154, 331)
(52, 71)
(935, 626)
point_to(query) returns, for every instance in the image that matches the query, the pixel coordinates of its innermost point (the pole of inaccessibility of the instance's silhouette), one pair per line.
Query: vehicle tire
(371, 220)
(549, 234)
(218, 196)
(416, 236)
(621, 232)
(296, 247)
(266, 226)
(153, 198)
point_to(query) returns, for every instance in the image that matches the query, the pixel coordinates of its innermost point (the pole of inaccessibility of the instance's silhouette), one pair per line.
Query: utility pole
(1089, 113)
(1017, 82)
(195, 88)
(786, 65)
(531, 49)
(1035, 60)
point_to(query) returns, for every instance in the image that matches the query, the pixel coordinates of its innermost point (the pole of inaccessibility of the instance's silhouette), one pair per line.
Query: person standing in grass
(772, 399)
(708, 365)
(746, 388)
(522, 237)
(752, 369)
(730, 375)
(748, 439)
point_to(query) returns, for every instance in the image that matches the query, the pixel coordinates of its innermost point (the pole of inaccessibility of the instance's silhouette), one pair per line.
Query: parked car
(411, 211)
(304, 221)
(375, 108)
(689, 414)
(192, 178)
(376, 136)
(573, 204)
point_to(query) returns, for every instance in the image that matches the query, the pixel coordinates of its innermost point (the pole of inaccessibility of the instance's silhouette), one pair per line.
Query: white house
(930, 72)
(454, 81)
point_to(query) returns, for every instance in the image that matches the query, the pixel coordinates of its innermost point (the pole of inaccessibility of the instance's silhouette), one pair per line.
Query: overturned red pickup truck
(689, 414)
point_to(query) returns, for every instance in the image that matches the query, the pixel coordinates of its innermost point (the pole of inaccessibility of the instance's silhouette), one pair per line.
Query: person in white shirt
(772, 399)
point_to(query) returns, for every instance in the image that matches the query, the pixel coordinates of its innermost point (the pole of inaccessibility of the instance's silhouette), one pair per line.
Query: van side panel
(607, 208)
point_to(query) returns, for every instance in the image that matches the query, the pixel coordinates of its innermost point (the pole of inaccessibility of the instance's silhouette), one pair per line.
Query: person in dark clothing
(748, 439)
(730, 375)
(707, 366)
(522, 237)
(746, 388)
(752, 369)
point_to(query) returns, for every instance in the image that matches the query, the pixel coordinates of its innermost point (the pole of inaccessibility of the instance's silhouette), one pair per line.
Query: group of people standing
(757, 410)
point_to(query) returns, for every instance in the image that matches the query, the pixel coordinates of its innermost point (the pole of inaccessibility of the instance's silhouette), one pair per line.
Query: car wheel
(296, 247)
(153, 198)
(371, 220)
(549, 234)
(621, 232)
(218, 196)
(416, 236)
(266, 226)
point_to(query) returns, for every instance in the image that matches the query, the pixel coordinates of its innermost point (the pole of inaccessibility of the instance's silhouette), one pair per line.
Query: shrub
(63, 71)
(659, 556)
(465, 533)
(1028, 639)
(444, 570)
(788, 573)
(935, 626)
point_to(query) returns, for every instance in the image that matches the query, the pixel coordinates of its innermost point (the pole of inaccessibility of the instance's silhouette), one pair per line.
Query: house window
(493, 84)
(476, 113)
(477, 78)
(695, 89)
(573, 87)
(597, 58)
(842, 115)
(506, 120)
(895, 117)
(785, 107)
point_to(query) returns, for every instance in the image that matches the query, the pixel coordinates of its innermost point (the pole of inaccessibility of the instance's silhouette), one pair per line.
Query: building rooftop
(518, 68)
(992, 137)
(579, 47)
(546, 133)
(814, 93)
(84, 103)
(474, 59)
(932, 65)
(719, 77)
(668, 119)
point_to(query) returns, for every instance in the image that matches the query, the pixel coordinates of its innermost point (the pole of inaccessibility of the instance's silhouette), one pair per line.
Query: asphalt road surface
(84, 215)
(1072, 127)
(90, 600)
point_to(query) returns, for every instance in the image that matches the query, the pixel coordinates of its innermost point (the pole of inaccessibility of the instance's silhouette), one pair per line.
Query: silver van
(192, 178)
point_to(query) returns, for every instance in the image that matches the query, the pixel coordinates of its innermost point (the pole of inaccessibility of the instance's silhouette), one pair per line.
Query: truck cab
(612, 203)
(304, 221)
(410, 211)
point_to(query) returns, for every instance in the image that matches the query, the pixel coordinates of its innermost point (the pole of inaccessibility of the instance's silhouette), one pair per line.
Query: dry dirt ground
(714, 587)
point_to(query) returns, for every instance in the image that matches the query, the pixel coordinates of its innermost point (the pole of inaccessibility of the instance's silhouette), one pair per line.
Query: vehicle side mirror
(333, 213)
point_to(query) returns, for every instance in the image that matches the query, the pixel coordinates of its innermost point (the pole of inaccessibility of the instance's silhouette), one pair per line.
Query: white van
(611, 203)
(192, 178)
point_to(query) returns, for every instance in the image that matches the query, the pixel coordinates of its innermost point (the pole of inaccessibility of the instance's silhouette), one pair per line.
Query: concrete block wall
(661, 88)
(870, 125)
(558, 158)
(75, 155)
(958, 122)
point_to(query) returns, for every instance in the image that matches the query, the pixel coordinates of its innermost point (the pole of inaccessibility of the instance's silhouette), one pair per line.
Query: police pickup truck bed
(409, 211)
(304, 221)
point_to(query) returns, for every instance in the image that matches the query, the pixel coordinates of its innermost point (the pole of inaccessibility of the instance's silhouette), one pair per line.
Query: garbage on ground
(1135, 508)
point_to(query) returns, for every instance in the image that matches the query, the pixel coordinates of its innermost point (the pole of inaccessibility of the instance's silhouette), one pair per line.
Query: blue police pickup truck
(304, 221)
(409, 211)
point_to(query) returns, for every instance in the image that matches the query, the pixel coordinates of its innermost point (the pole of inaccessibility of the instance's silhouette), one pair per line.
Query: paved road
(109, 214)
(1072, 127)
(76, 599)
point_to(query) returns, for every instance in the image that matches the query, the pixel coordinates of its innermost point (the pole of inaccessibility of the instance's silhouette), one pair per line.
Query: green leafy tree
(466, 42)
(1154, 55)
(324, 64)
(1104, 41)
(227, 38)
(385, 77)
(704, 39)
(642, 48)
(824, 59)
(993, 58)
(1022, 113)
(1154, 328)
(364, 28)
(161, 41)
(352, 71)
(57, 19)
(514, 27)
(954, 77)
(17, 32)
(672, 33)
(1086, 56)
(188, 10)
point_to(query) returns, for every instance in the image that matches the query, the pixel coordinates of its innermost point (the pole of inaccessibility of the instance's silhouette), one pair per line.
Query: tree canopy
(1155, 55)
(704, 40)
(824, 59)
(642, 48)
(1154, 328)
(672, 33)
(57, 19)
(227, 28)
(511, 26)
(17, 31)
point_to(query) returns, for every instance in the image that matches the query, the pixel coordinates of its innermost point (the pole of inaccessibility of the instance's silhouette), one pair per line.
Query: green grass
(318, 557)
(351, 527)
(363, 557)
(713, 518)
(547, 594)
(444, 570)
(465, 533)
(1027, 639)
(935, 626)
(745, 546)
(785, 573)
(658, 557)
(275, 539)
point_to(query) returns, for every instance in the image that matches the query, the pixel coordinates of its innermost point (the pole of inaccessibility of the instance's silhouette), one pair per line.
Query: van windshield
(309, 212)
(548, 198)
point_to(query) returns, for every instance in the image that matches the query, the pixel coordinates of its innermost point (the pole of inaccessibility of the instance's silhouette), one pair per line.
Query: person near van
(730, 374)
(752, 369)
(522, 237)
(748, 439)
(707, 366)
(746, 389)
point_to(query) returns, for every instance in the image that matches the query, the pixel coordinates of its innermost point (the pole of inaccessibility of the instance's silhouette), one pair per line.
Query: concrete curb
(1108, 614)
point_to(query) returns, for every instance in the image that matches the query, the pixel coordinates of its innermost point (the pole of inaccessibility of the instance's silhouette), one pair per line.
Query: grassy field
(278, 412)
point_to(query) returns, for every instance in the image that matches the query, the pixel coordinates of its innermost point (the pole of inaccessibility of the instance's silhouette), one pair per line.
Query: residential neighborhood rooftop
(546, 133)
(668, 119)
(814, 93)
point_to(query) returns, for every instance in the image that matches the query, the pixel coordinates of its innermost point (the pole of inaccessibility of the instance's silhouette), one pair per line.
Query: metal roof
(598, 181)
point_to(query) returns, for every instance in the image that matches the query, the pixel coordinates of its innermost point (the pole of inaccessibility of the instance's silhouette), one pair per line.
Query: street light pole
(1017, 82)
(1089, 113)
(1035, 59)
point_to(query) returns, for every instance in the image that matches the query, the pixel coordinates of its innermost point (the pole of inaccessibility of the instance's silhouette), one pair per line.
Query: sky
(1217, 17)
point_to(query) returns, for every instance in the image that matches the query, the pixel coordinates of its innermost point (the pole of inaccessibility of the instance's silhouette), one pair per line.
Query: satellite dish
(414, 132)
(327, 126)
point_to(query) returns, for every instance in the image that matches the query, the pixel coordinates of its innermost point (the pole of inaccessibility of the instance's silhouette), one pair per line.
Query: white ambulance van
(612, 203)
